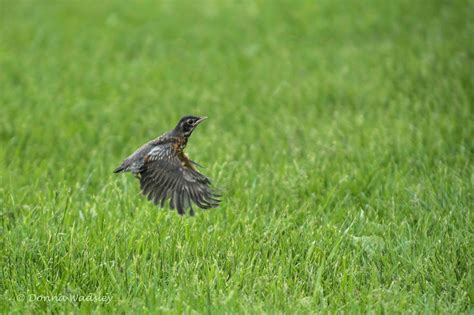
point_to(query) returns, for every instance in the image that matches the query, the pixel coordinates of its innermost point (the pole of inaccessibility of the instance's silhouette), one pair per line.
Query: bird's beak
(200, 121)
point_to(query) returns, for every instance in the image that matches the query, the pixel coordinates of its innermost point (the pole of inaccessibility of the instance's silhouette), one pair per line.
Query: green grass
(340, 132)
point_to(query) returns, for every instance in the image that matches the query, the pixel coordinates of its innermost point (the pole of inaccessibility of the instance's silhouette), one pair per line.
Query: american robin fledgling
(166, 173)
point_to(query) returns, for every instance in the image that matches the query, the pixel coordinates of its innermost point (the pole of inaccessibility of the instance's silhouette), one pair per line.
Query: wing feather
(168, 175)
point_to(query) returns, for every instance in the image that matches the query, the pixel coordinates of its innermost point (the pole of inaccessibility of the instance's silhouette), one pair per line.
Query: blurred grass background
(340, 132)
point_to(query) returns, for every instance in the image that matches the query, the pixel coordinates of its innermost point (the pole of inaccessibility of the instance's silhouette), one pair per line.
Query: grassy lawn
(340, 132)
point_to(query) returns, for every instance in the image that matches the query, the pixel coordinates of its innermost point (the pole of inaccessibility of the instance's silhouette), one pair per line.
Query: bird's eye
(190, 122)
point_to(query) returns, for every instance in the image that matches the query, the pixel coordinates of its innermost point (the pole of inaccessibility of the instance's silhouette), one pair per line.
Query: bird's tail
(119, 169)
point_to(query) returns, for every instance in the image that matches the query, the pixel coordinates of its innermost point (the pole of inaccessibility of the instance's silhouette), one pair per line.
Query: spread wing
(168, 174)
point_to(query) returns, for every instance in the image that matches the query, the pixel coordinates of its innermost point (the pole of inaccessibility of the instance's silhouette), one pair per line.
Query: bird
(167, 173)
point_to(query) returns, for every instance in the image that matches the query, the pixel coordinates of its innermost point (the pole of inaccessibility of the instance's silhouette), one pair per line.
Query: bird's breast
(179, 145)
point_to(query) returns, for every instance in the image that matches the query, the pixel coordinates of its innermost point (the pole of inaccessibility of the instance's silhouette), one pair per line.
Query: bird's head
(187, 124)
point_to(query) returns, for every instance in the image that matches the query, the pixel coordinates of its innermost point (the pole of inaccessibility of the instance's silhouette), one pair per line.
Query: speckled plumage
(166, 173)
